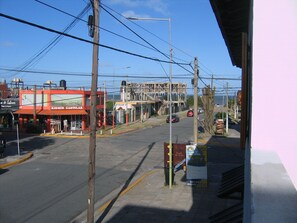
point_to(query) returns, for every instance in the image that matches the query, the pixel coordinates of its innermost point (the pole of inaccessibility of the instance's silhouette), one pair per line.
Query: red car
(190, 113)
(174, 118)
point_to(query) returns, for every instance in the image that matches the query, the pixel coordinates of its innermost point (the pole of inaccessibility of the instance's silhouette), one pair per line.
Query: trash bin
(166, 172)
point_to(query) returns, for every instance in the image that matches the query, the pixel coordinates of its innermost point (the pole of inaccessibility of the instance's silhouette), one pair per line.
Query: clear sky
(195, 33)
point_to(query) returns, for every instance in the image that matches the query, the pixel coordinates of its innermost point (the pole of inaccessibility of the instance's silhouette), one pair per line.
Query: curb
(28, 156)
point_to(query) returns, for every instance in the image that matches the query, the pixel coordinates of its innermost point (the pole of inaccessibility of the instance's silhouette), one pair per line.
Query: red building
(57, 109)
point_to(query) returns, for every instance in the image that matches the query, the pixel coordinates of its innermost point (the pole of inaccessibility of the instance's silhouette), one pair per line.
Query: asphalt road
(52, 186)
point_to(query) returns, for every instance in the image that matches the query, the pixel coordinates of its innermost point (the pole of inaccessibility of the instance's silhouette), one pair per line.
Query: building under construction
(141, 100)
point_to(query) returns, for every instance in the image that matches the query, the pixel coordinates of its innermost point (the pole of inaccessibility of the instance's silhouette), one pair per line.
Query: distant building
(141, 100)
(3, 90)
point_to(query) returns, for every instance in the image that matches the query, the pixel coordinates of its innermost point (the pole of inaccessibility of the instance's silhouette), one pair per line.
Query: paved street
(52, 186)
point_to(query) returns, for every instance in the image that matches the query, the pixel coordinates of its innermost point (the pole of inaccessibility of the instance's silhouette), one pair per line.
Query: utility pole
(195, 100)
(211, 86)
(141, 108)
(234, 106)
(93, 123)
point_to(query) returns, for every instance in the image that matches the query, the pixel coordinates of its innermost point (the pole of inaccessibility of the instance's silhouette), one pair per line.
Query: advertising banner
(28, 100)
(196, 161)
(66, 101)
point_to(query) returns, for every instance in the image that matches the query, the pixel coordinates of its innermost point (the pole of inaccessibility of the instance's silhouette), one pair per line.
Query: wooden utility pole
(195, 100)
(93, 113)
(211, 86)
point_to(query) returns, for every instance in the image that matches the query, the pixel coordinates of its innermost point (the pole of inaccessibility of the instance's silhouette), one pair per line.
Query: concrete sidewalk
(147, 199)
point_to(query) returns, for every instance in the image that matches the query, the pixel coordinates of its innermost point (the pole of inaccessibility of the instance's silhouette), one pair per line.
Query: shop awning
(63, 112)
(52, 112)
(25, 112)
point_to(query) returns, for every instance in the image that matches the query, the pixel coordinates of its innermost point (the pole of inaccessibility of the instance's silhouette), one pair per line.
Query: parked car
(174, 118)
(190, 113)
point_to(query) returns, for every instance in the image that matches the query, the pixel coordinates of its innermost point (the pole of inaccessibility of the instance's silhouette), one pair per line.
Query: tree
(190, 101)
(109, 105)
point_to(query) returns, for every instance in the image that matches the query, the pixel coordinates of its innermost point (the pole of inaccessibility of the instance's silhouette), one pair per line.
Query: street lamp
(170, 88)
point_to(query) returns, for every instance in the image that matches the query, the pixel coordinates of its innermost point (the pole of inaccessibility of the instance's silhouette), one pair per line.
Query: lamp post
(170, 89)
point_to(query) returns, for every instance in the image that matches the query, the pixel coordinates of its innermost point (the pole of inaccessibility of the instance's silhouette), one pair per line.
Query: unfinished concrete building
(150, 98)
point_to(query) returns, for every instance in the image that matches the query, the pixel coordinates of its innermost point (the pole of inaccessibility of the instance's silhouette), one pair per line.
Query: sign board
(66, 101)
(28, 100)
(10, 104)
(196, 161)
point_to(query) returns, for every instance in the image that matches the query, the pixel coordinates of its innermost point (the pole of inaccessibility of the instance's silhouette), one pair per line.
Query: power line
(179, 64)
(84, 40)
(167, 56)
(221, 78)
(54, 42)
(101, 28)
(89, 75)
(153, 48)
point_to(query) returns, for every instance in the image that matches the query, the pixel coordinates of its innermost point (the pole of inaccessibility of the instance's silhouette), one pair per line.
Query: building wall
(275, 81)
(3, 90)
(274, 109)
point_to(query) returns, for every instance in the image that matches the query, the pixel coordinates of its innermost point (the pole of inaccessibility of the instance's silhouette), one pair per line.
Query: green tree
(109, 105)
(190, 101)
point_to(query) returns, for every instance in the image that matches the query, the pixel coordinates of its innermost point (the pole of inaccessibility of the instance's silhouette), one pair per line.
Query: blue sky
(195, 33)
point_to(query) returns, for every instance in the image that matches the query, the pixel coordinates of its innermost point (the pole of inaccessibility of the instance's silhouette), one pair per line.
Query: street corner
(14, 160)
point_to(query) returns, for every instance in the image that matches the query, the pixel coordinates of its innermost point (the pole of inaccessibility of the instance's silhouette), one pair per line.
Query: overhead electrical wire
(160, 39)
(173, 62)
(52, 43)
(84, 40)
(89, 75)
(165, 42)
(151, 48)
(100, 27)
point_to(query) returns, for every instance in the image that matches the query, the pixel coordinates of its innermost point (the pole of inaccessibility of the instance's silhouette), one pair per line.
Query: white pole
(170, 93)
(104, 110)
(170, 108)
(227, 112)
(18, 139)
(141, 108)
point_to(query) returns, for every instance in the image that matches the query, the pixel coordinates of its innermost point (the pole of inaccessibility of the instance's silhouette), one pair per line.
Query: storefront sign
(9, 104)
(66, 108)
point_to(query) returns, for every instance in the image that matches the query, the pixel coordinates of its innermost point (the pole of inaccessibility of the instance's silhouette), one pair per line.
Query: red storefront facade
(57, 109)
